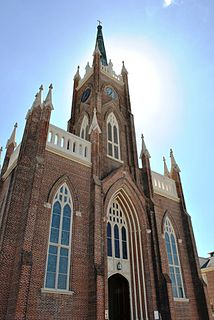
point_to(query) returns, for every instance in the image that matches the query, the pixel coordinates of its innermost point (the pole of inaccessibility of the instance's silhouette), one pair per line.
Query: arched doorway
(118, 296)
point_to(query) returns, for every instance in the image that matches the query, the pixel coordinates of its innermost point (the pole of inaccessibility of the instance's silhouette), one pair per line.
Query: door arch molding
(136, 224)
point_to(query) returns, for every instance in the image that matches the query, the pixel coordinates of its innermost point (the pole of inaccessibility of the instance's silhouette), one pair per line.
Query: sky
(168, 49)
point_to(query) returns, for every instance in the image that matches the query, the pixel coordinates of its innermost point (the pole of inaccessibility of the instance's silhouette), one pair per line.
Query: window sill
(45, 290)
(112, 158)
(181, 299)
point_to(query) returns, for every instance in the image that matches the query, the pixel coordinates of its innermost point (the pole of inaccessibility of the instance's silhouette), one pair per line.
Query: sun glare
(167, 3)
(153, 87)
(144, 81)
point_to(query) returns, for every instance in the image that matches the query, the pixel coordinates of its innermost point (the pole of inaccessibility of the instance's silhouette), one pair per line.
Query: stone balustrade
(164, 186)
(110, 72)
(68, 145)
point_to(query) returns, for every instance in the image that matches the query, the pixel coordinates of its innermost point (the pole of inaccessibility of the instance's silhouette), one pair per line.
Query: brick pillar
(16, 256)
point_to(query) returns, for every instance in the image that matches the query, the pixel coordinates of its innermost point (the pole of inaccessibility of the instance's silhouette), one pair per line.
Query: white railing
(110, 72)
(164, 186)
(69, 145)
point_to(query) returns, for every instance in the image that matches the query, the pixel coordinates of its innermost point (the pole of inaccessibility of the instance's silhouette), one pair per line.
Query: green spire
(101, 46)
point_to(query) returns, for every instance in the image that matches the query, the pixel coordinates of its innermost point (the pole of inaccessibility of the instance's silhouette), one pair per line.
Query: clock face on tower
(86, 95)
(110, 92)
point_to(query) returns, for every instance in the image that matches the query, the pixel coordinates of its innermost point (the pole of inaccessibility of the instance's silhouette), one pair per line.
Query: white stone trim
(137, 288)
(68, 145)
(59, 196)
(112, 120)
(181, 299)
(164, 186)
(169, 230)
(68, 292)
(87, 75)
(84, 127)
(13, 162)
(112, 158)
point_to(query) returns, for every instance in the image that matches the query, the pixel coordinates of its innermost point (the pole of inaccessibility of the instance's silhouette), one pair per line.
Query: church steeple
(101, 46)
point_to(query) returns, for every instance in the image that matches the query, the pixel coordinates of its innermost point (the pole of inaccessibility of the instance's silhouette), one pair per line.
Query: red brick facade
(27, 191)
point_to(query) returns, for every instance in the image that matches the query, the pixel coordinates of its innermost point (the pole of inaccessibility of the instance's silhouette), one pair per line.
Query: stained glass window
(173, 260)
(113, 148)
(84, 128)
(117, 238)
(59, 248)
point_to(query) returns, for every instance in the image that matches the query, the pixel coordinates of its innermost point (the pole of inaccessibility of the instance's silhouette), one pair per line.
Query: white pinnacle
(173, 162)
(38, 98)
(166, 171)
(94, 123)
(124, 70)
(48, 100)
(77, 74)
(12, 137)
(144, 150)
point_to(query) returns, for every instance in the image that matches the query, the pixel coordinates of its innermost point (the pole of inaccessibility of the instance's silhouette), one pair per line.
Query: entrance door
(118, 296)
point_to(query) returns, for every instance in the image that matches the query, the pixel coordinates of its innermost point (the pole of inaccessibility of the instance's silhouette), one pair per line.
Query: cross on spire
(99, 22)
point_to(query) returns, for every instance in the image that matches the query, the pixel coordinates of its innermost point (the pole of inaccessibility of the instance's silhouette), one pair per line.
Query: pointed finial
(173, 162)
(40, 94)
(38, 98)
(12, 137)
(124, 70)
(48, 99)
(87, 68)
(110, 65)
(77, 74)
(144, 150)
(166, 171)
(94, 123)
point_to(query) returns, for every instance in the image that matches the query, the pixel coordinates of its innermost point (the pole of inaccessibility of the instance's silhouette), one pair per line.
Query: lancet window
(84, 128)
(173, 260)
(113, 144)
(59, 247)
(117, 240)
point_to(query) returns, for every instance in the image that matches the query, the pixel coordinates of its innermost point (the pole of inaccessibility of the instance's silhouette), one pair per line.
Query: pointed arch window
(109, 240)
(84, 128)
(59, 247)
(113, 146)
(117, 237)
(124, 243)
(173, 260)
(116, 241)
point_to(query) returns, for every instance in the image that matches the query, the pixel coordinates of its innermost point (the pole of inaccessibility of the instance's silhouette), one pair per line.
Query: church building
(85, 232)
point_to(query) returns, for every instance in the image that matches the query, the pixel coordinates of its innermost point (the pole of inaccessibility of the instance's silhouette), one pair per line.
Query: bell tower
(102, 95)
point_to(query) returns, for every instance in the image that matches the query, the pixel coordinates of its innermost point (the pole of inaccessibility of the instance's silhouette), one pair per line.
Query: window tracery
(173, 260)
(84, 128)
(59, 247)
(117, 240)
(113, 145)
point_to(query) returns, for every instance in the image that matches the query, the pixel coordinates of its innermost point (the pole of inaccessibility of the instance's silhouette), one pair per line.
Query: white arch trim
(119, 194)
(83, 129)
